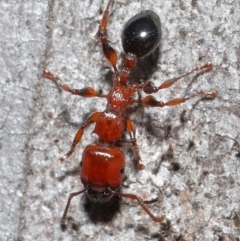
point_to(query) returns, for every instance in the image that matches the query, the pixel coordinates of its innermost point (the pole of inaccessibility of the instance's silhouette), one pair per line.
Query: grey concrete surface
(192, 174)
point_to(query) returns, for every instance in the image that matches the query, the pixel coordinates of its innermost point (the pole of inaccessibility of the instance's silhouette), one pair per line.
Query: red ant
(102, 165)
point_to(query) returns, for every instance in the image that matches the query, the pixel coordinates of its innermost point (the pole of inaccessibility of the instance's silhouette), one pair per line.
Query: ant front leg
(109, 52)
(131, 129)
(85, 92)
(92, 119)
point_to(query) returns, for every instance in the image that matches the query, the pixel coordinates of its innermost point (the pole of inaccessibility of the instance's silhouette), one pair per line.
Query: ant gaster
(102, 165)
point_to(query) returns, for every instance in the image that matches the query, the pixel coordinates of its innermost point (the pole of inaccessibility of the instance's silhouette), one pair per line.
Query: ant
(102, 164)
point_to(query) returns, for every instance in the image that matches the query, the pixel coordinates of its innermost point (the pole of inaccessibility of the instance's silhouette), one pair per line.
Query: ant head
(142, 34)
(102, 169)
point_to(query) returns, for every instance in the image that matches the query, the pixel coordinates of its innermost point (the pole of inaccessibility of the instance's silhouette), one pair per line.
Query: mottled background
(191, 152)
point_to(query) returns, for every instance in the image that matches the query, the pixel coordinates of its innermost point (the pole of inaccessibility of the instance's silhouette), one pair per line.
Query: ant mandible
(102, 165)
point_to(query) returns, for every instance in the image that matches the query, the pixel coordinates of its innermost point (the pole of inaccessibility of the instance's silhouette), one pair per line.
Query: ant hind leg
(109, 52)
(85, 92)
(149, 87)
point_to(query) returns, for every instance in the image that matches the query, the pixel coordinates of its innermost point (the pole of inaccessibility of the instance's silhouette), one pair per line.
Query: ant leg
(109, 52)
(149, 88)
(152, 102)
(92, 119)
(131, 129)
(85, 92)
(140, 202)
(63, 219)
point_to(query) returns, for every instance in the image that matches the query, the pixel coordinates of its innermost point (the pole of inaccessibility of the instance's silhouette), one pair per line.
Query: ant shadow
(102, 212)
(144, 70)
(145, 67)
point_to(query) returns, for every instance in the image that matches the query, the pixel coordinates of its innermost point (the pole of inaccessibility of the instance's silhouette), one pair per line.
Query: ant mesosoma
(102, 165)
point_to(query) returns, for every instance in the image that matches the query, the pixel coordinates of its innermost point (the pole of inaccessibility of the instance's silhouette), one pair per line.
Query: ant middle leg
(85, 92)
(131, 129)
(92, 119)
(150, 101)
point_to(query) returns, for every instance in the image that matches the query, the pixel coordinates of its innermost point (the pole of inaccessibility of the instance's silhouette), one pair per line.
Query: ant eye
(122, 170)
(81, 164)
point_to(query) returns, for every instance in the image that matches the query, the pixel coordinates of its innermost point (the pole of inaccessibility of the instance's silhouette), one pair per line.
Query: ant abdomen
(142, 34)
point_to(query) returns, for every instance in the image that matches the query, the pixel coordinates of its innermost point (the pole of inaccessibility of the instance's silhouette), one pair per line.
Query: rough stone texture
(193, 170)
